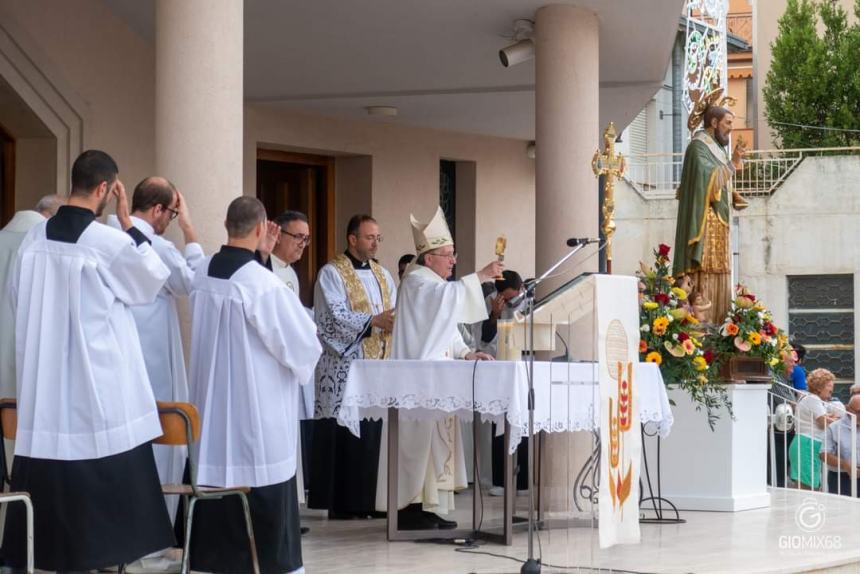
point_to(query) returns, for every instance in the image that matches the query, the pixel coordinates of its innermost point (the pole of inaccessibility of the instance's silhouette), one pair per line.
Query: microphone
(574, 241)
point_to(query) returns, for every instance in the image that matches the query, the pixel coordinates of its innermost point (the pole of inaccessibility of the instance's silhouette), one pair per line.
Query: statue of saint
(705, 199)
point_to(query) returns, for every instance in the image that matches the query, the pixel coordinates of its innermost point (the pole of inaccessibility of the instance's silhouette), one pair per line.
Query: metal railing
(799, 441)
(657, 175)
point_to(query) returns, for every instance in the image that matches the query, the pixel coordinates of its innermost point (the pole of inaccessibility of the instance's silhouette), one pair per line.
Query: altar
(565, 399)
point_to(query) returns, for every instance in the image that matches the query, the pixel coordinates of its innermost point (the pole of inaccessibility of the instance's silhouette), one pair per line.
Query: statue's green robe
(705, 183)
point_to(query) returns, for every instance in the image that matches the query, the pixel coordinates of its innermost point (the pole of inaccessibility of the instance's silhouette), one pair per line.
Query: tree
(813, 80)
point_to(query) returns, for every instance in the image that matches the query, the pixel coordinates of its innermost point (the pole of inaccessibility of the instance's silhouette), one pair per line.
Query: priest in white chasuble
(429, 308)
(86, 412)
(353, 306)
(252, 346)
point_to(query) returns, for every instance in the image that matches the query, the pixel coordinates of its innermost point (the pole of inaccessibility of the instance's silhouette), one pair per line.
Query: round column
(199, 107)
(567, 84)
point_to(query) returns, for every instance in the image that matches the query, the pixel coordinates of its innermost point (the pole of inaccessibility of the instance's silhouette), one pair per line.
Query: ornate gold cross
(611, 166)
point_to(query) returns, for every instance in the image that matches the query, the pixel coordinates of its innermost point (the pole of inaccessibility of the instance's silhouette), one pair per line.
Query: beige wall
(102, 66)
(35, 170)
(405, 167)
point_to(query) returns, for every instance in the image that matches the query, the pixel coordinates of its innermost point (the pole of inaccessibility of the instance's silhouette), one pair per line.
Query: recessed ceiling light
(383, 111)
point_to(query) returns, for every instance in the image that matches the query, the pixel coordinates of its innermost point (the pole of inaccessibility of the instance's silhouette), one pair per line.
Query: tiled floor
(751, 541)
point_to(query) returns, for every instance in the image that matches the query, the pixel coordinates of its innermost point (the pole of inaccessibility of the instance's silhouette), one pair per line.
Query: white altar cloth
(565, 394)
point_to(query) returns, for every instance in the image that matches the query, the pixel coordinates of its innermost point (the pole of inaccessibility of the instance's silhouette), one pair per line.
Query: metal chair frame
(198, 493)
(10, 497)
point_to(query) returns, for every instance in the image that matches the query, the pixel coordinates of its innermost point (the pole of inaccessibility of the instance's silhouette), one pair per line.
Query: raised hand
(185, 219)
(491, 271)
(270, 238)
(122, 211)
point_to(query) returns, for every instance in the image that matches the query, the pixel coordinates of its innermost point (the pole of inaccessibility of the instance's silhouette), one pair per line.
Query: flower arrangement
(748, 330)
(672, 337)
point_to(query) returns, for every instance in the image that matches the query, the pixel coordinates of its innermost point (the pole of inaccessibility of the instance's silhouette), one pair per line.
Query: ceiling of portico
(435, 60)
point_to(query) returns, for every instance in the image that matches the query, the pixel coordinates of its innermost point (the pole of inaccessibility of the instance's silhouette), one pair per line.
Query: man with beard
(353, 304)
(86, 412)
(704, 211)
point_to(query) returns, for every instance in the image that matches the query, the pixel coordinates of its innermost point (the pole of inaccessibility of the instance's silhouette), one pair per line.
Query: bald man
(155, 204)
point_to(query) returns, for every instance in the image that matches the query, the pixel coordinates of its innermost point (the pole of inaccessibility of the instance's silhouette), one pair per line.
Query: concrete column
(199, 106)
(567, 82)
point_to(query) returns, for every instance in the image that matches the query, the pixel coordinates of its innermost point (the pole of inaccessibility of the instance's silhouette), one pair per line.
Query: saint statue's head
(718, 122)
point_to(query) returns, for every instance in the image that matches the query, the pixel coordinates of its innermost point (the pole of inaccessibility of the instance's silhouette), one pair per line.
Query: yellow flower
(649, 305)
(700, 363)
(689, 346)
(692, 319)
(754, 338)
(654, 357)
(679, 293)
(703, 380)
(659, 326)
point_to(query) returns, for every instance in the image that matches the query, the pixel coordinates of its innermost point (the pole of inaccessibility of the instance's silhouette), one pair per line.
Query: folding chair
(9, 427)
(180, 423)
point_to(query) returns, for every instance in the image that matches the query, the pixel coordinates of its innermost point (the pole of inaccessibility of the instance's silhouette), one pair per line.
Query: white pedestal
(720, 470)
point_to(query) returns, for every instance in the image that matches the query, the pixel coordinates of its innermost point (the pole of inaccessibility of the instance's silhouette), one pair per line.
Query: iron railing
(657, 175)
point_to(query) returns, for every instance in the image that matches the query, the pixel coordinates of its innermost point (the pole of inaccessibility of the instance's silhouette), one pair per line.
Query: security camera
(517, 53)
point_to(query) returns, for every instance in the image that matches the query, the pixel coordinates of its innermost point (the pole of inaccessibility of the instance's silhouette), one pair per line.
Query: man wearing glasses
(293, 238)
(155, 203)
(432, 465)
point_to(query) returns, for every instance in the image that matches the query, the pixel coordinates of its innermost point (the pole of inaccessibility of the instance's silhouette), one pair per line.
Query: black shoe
(378, 514)
(441, 523)
(335, 515)
(304, 530)
(413, 518)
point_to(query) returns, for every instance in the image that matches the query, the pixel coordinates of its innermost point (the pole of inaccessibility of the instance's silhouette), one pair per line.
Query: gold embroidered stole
(378, 344)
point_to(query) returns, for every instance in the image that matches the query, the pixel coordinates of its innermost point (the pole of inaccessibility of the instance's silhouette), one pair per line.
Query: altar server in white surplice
(154, 204)
(252, 346)
(429, 308)
(354, 310)
(11, 237)
(86, 413)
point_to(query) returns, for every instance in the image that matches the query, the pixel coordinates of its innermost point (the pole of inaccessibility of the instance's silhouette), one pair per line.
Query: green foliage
(813, 79)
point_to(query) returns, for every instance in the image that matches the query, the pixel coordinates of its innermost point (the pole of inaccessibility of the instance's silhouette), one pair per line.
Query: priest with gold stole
(429, 307)
(705, 198)
(354, 311)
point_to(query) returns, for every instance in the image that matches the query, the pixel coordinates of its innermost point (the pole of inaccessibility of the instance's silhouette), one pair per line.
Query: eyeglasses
(449, 256)
(377, 238)
(174, 213)
(304, 239)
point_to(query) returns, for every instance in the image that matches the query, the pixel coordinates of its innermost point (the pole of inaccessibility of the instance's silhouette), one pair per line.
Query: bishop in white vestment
(86, 413)
(154, 204)
(253, 345)
(353, 302)
(429, 308)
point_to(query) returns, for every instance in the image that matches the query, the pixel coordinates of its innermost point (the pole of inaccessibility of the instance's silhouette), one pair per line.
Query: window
(821, 318)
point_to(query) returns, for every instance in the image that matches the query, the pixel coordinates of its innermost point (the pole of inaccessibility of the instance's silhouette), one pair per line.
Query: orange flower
(654, 357)
(732, 329)
(659, 326)
(643, 346)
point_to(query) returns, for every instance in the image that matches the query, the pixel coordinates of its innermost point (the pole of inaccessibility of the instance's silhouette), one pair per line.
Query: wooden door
(301, 182)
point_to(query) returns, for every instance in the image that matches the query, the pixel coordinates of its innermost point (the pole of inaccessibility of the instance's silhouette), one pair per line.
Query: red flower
(708, 355)
(663, 250)
(682, 337)
(661, 298)
(749, 296)
(770, 328)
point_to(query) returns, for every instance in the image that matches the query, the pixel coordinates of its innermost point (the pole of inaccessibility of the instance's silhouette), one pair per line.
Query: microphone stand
(532, 566)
